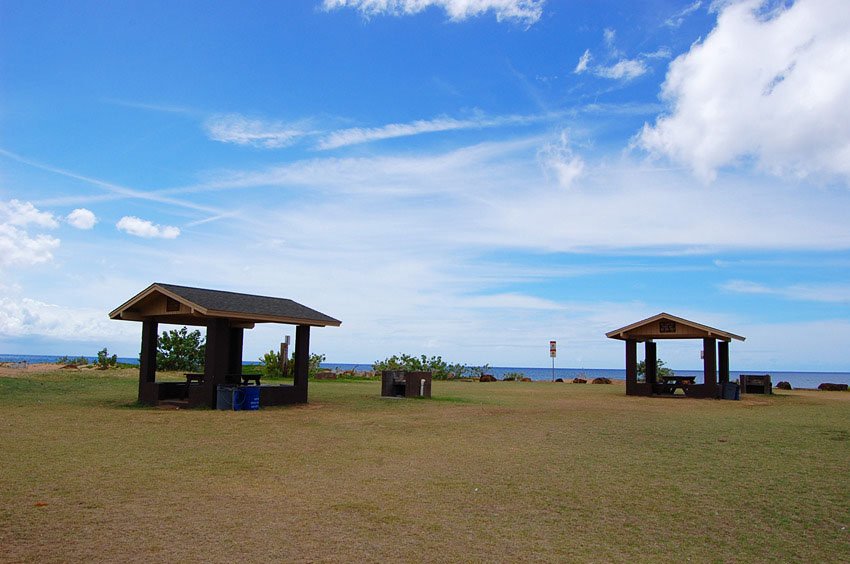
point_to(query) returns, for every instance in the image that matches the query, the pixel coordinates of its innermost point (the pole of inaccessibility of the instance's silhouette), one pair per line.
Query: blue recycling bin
(250, 400)
(238, 398)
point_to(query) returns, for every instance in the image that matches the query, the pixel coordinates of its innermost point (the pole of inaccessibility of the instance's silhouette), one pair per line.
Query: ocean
(796, 379)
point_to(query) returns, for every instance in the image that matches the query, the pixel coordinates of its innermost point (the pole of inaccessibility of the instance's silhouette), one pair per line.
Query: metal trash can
(225, 396)
(730, 391)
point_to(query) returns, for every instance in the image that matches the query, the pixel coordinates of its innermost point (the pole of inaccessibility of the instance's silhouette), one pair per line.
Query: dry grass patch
(500, 471)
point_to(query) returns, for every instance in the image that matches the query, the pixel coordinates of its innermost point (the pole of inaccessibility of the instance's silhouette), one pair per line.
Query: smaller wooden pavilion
(666, 326)
(225, 315)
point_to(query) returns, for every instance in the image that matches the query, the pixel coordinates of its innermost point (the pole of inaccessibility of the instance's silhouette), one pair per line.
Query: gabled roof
(666, 326)
(169, 303)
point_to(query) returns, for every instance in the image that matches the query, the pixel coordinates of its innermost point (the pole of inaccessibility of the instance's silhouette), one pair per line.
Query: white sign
(553, 346)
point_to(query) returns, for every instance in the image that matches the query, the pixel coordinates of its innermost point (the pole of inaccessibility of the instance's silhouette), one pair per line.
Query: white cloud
(559, 158)
(357, 135)
(609, 35)
(827, 293)
(771, 87)
(624, 69)
(81, 218)
(17, 246)
(240, 130)
(524, 11)
(22, 214)
(583, 61)
(660, 53)
(144, 228)
(22, 317)
(677, 19)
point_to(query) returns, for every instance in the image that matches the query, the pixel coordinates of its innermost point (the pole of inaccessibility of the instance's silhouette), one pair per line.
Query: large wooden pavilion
(666, 326)
(225, 315)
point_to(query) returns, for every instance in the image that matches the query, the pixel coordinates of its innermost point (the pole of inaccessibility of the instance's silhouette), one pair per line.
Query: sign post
(553, 352)
(284, 354)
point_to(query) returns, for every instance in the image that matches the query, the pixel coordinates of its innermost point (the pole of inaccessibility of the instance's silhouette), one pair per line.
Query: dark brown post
(234, 365)
(723, 361)
(651, 355)
(709, 365)
(147, 363)
(302, 360)
(631, 367)
(217, 358)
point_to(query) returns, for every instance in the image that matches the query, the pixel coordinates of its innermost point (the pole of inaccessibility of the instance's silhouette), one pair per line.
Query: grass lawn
(482, 472)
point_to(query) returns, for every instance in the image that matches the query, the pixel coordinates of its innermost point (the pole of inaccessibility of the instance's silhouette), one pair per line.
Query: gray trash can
(225, 397)
(731, 391)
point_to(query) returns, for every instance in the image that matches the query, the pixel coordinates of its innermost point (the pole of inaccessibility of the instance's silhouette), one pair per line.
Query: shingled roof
(666, 326)
(170, 303)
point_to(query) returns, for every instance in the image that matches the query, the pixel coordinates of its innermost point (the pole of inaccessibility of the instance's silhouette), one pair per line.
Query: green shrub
(105, 361)
(514, 376)
(80, 360)
(180, 350)
(440, 369)
(661, 370)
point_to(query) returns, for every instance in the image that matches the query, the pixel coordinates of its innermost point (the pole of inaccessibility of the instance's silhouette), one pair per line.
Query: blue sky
(468, 179)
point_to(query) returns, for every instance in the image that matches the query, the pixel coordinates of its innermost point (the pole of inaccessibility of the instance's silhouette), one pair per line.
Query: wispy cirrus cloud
(677, 19)
(624, 69)
(356, 135)
(583, 61)
(241, 130)
(828, 293)
(525, 12)
(143, 228)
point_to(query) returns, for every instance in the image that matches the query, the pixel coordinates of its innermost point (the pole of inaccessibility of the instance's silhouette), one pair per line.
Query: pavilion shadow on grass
(666, 326)
(226, 315)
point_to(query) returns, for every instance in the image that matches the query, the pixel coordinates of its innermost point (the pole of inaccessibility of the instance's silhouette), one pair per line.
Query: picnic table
(670, 383)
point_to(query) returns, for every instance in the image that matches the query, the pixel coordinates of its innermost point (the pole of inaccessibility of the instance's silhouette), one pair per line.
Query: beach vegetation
(179, 349)
(439, 368)
(661, 370)
(104, 360)
(67, 360)
(513, 376)
(271, 366)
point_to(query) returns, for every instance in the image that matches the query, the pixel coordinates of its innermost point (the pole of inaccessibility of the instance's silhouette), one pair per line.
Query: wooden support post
(651, 356)
(302, 360)
(631, 367)
(217, 359)
(723, 361)
(709, 347)
(147, 363)
(234, 364)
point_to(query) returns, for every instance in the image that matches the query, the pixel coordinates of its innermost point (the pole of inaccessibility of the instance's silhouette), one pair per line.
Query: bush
(105, 361)
(79, 361)
(180, 350)
(271, 367)
(314, 363)
(661, 370)
(440, 370)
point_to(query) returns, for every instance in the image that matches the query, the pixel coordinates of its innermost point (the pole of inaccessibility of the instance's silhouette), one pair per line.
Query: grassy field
(482, 472)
